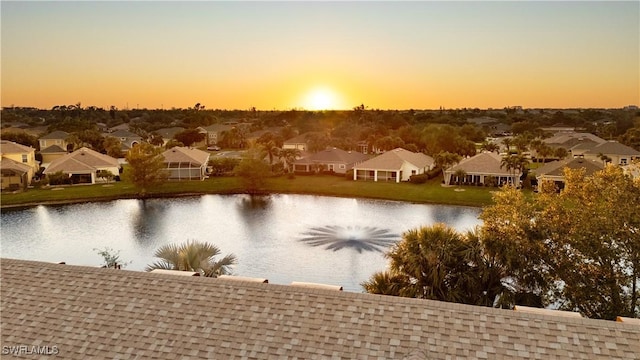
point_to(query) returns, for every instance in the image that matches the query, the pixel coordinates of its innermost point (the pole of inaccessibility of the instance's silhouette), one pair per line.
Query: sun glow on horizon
(321, 98)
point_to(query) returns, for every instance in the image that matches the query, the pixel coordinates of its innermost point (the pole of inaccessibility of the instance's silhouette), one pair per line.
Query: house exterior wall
(299, 146)
(27, 159)
(47, 158)
(11, 179)
(45, 143)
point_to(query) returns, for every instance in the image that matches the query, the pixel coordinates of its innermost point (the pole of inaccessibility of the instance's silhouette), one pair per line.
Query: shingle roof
(614, 148)
(556, 168)
(83, 159)
(9, 164)
(569, 139)
(106, 313)
(10, 147)
(123, 134)
(487, 163)
(53, 149)
(168, 133)
(335, 155)
(394, 159)
(185, 154)
(217, 128)
(56, 135)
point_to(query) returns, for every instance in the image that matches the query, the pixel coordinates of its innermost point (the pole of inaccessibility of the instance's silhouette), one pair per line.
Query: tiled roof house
(619, 154)
(394, 165)
(335, 160)
(479, 168)
(185, 163)
(86, 312)
(83, 165)
(55, 138)
(554, 170)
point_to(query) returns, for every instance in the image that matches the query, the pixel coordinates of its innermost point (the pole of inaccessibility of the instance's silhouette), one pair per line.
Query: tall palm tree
(290, 156)
(193, 256)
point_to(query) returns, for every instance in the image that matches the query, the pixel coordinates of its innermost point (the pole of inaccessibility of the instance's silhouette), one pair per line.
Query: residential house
(84, 312)
(299, 142)
(334, 160)
(58, 138)
(123, 126)
(127, 139)
(213, 133)
(83, 165)
(13, 175)
(570, 139)
(484, 168)
(168, 133)
(51, 153)
(19, 164)
(185, 163)
(554, 171)
(394, 165)
(615, 152)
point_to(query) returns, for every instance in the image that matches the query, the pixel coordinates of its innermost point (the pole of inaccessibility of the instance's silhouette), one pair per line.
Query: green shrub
(418, 179)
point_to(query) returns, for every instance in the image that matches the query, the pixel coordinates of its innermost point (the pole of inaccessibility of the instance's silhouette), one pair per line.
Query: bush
(433, 173)
(223, 166)
(59, 178)
(418, 179)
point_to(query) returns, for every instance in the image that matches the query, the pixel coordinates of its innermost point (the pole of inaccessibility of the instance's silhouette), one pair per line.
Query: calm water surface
(282, 238)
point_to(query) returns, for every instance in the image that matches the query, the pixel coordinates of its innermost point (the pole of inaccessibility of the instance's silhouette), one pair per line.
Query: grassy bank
(431, 192)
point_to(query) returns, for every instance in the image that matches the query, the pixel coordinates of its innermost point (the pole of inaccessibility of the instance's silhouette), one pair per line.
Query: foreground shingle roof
(9, 164)
(91, 312)
(556, 168)
(488, 163)
(58, 134)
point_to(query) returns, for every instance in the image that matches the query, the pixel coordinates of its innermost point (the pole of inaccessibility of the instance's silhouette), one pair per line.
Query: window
(413, 172)
(623, 161)
(342, 166)
(24, 158)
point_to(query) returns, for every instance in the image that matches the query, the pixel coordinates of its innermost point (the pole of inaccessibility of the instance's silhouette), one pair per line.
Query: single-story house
(299, 142)
(483, 168)
(83, 165)
(185, 163)
(334, 160)
(22, 154)
(55, 138)
(127, 138)
(82, 312)
(394, 165)
(14, 175)
(554, 170)
(619, 154)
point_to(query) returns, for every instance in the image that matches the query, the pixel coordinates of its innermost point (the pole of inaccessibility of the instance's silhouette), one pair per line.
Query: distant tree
(189, 136)
(460, 175)
(290, 156)
(193, 256)
(156, 139)
(172, 143)
(445, 159)
(560, 153)
(112, 146)
(489, 146)
(21, 137)
(146, 167)
(252, 170)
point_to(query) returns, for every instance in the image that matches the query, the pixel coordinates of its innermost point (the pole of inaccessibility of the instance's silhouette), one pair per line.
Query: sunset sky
(317, 55)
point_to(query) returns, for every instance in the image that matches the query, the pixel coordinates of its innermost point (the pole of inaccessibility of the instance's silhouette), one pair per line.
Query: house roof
(217, 128)
(53, 149)
(613, 148)
(300, 139)
(394, 159)
(556, 168)
(83, 159)
(168, 133)
(185, 154)
(9, 164)
(10, 147)
(55, 135)
(483, 163)
(123, 134)
(335, 155)
(569, 139)
(93, 312)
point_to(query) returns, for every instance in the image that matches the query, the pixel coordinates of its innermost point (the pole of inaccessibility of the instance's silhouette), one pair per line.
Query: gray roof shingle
(91, 312)
(394, 159)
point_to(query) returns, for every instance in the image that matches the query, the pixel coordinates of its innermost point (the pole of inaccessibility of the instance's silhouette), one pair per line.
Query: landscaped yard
(430, 192)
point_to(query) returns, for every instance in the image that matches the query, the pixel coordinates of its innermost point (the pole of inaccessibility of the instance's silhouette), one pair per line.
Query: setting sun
(321, 99)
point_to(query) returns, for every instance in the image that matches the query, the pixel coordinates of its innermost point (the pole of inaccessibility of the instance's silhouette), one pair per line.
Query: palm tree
(289, 156)
(460, 174)
(193, 256)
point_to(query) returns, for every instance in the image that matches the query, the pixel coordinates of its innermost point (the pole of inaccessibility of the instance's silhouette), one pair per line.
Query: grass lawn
(430, 192)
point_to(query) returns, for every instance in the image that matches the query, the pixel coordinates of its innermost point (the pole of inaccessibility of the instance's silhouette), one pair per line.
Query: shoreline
(24, 206)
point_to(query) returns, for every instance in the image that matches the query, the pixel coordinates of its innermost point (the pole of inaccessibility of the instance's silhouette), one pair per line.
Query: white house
(394, 165)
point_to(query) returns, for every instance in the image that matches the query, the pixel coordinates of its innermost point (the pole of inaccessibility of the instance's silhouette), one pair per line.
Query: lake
(283, 238)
